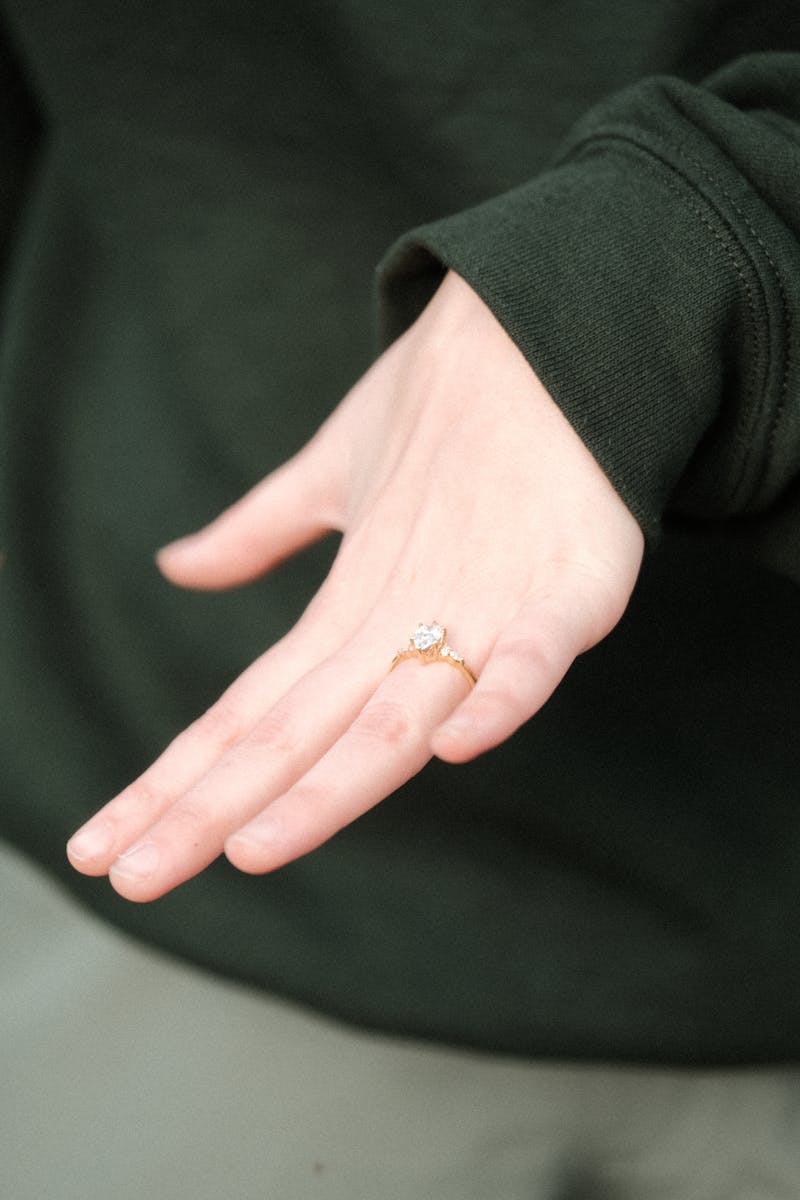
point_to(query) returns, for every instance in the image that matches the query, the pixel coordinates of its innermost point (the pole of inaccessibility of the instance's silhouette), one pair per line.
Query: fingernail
(92, 842)
(140, 862)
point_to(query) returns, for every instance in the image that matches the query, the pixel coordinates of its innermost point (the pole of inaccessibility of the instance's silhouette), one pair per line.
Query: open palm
(464, 496)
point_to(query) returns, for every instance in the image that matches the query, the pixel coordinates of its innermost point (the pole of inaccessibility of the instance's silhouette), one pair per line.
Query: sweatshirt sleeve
(651, 277)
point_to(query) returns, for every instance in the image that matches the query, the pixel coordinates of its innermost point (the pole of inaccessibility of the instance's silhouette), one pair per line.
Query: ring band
(428, 643)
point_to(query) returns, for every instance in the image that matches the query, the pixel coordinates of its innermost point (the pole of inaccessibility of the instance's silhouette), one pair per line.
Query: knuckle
(487, 706)
(221, 726)
(309, 802)
(142, 796)
(187, 822)
(140, 800)
(384, 721)
(275, 731)
(537, 653)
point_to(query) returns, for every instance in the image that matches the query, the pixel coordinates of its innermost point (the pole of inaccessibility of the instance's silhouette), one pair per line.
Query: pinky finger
(525, 666)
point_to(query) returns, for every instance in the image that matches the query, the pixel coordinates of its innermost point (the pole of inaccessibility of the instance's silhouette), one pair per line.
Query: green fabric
(190, 292)
(673, 348)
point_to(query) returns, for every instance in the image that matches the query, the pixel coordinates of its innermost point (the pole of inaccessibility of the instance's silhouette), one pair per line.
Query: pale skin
(463, 496)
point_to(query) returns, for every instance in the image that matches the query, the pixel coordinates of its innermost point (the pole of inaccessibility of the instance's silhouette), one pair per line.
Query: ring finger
(387, 744)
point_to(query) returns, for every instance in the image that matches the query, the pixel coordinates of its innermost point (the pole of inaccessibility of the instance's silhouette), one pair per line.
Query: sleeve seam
(662, 157)
(788, 340)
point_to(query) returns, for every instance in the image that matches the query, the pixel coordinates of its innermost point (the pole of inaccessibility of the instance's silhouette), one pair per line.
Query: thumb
(295, 505)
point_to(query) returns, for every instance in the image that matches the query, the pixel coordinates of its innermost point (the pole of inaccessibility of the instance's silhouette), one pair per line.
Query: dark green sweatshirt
(195, 199)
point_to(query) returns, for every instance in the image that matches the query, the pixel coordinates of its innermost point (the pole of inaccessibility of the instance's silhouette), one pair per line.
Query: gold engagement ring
(428, 643)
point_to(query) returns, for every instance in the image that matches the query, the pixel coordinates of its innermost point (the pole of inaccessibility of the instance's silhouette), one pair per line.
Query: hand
(464, 496)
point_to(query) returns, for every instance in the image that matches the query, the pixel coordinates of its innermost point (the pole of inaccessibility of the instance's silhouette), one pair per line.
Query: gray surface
(125, 1075)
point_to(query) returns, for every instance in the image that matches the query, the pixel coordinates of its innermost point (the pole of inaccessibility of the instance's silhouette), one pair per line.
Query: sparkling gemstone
(426, 636)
